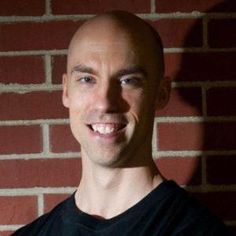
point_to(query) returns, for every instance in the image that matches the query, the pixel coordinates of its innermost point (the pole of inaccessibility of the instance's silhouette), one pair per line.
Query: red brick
(96, 6)
(17, 70)
(22, 7)
(40, 173)
(173, 65)
(183, 102)
(221, 101)
(20, 139)
(180, 136)
(6, 233)
(220, 136)
(221, 33)
(197, 136)
(17, 209)
(194, 5)
(187, 32)
(221, 204)
(33, 105)
(215, 66)
(221, 169)
(36, 35)
(51, 200)
(62, 140)
(184, 170)
(58, 69)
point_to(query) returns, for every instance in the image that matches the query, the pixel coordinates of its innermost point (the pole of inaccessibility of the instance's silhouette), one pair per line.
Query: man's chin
(106, 159)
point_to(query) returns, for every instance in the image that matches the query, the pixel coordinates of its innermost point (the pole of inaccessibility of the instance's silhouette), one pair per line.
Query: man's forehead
(117, 32)
(103, 53)
(96, 39)
(98, 45)
(107, 28)
(92, 43)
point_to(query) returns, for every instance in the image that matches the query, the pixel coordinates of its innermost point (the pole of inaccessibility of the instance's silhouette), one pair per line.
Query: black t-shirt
(167, 210)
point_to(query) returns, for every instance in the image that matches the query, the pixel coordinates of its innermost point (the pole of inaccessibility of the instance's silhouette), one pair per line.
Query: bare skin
(112, 88)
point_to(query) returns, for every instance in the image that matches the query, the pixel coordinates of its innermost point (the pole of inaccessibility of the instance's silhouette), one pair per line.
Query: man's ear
(163, 93)
(65, 97)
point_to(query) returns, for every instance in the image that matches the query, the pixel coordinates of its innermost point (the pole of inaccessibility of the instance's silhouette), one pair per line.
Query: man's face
(110, 91)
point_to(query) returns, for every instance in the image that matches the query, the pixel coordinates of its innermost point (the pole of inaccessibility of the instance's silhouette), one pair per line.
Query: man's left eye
(130, 81)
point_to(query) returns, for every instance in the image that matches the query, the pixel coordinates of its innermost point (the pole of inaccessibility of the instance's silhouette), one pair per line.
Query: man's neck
(107, 192)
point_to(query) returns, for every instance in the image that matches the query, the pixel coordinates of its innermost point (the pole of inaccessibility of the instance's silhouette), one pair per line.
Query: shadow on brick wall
(208, 71)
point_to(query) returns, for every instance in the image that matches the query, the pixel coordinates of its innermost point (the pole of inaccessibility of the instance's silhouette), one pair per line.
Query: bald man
(112, 88)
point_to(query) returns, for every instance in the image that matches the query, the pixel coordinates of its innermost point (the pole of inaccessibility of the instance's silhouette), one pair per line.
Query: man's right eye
(86, 79)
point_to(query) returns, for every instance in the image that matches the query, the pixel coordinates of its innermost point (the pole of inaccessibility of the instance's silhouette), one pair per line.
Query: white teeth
(103, 128)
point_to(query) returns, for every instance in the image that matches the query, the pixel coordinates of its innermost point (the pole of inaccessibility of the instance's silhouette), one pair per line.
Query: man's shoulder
(44, 221)
(182, 214)
(33, 227)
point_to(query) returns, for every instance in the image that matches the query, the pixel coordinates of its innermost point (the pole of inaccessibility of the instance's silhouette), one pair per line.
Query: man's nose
(108, 98)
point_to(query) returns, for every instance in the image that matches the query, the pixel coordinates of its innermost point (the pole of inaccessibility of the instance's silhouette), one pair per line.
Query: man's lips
(106, 128)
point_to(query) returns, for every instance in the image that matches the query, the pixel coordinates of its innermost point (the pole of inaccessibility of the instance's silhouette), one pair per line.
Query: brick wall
(194, 137)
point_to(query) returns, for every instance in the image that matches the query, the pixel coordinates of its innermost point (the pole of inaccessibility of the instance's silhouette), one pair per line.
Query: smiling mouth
(107, 128)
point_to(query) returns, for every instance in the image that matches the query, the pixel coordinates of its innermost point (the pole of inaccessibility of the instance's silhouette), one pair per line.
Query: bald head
(117, 26)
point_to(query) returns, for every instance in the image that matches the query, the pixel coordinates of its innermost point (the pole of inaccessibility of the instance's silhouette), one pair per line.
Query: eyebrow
(137, 69)
(131, 70)
(83, 69)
